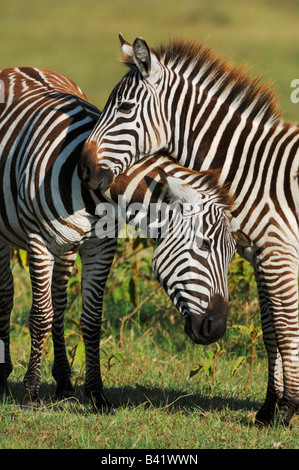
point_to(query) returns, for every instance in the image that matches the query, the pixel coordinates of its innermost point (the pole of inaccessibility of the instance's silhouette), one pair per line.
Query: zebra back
(46, 209)
(209, 115)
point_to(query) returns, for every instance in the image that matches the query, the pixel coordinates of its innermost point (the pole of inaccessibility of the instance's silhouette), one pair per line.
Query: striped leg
(41, 264)
(6, 304)
(96, 264)
(63, 267)
(278, 290)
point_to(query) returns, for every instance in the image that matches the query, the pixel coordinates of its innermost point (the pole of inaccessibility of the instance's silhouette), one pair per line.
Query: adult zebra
(44, 122)
(207, 114)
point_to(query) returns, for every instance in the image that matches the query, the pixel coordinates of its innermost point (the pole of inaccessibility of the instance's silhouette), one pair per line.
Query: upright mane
(232, 84)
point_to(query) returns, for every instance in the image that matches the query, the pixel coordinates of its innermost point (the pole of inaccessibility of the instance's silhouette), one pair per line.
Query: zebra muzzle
(210, 326)
(95, 178)
(92, 174)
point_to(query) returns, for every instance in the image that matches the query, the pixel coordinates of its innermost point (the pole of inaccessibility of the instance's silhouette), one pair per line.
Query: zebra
(45, 120)
(200, 267)
(207, 114)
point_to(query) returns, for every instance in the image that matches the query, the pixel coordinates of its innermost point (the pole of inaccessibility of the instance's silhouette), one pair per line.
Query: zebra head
(191, 262)
(126, 131)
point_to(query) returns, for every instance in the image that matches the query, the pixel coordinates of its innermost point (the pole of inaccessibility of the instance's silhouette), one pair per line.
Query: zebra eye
(206, 244)
(125, 107)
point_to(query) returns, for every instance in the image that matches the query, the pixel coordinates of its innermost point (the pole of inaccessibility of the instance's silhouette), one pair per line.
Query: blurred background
(80, 38)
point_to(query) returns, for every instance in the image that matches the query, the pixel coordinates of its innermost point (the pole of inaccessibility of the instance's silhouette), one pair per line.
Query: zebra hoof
(264, 417)
(31, 402)
(64, 390)
(277, 415)
(100, 403)
(4, 391)
(285, 413)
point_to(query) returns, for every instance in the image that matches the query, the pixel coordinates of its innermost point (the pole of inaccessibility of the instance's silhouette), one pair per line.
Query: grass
(157, 404)
(140, 428)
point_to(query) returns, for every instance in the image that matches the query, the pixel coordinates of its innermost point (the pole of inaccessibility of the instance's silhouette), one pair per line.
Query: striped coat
(207, 114)
(44, 208)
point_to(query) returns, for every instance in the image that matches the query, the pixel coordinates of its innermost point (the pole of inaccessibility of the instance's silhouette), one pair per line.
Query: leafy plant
(209, 366)
(108, 362)
(253, 333)
(244, 302)
(77, 355)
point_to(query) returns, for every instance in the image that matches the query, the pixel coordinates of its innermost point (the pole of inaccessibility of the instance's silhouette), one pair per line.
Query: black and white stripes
(44, 208)
(209, 115)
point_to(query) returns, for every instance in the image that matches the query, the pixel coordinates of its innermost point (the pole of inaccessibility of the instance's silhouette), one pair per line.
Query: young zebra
(44, 208)
(207, 114)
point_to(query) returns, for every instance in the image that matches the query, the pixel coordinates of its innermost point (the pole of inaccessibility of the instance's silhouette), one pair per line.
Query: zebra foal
(45, 209)
(209, 115)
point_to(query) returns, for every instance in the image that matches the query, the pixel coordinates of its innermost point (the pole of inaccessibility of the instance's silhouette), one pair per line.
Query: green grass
(157, 404)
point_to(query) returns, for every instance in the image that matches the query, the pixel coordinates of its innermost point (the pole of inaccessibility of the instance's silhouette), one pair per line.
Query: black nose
(210, 326)
(84, 171)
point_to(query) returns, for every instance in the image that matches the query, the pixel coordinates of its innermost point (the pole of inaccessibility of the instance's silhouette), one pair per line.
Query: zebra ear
(241, 238)
(142, 56)
(145, 60)
(127, 49)
(178, 190)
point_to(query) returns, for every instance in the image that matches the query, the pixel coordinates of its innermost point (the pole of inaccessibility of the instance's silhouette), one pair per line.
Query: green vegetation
(167, 392)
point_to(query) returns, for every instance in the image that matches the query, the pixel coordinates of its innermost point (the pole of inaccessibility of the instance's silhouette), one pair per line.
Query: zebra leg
(6, 304)
(96, 264)
(278, 291)
(41, 263)
(61, 371)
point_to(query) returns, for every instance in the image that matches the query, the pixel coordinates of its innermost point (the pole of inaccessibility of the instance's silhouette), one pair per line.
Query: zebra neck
(227, 140)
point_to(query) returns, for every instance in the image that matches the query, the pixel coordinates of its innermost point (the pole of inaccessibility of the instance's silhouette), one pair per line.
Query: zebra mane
(202, 181)
(257, 99)
(208, 181)
(224, 196)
